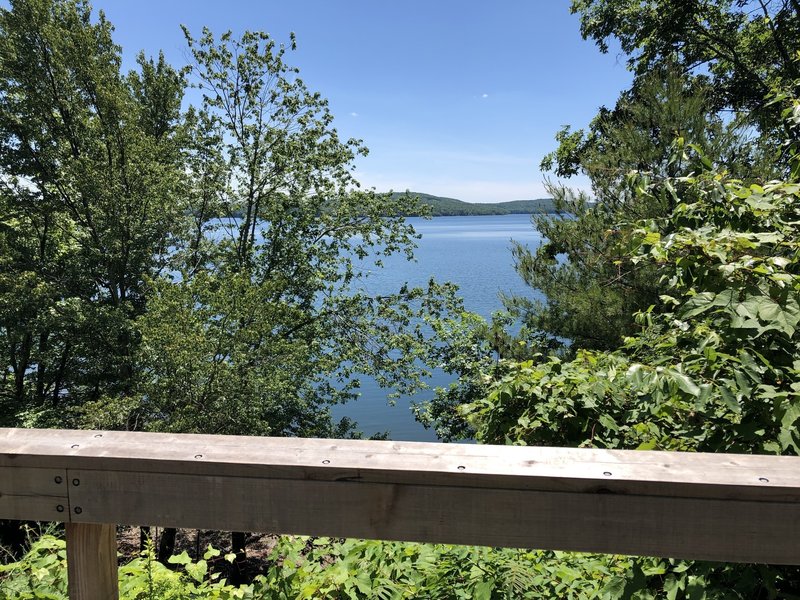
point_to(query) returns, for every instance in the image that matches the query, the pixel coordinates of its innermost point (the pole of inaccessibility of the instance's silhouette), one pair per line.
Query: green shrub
(320, 568)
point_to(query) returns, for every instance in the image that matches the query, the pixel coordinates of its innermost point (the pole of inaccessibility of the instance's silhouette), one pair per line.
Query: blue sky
(457, 98)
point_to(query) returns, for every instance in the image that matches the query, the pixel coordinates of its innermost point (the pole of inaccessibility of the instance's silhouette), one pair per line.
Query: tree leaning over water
(258, 327)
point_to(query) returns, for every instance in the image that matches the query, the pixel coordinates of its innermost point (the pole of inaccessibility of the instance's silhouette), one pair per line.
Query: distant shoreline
(450, 207)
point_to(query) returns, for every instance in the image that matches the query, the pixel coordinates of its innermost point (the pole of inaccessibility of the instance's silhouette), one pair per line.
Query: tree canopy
(92, 182)
(744, 48)
(187, 267)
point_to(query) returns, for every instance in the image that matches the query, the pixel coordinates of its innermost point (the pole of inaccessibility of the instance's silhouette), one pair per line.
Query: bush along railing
(721, 507)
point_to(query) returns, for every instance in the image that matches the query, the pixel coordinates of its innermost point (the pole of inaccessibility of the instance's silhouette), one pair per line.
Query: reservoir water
(473, 252)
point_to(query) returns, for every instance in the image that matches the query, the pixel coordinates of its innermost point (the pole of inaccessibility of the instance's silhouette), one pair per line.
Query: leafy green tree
(91, 180)
(695, 65)
(91, 174)
(591, 286)
(264, 319)
(717, 369)
(745, 48)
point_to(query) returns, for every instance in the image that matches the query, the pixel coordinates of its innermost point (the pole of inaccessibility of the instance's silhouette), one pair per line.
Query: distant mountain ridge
(446, 207)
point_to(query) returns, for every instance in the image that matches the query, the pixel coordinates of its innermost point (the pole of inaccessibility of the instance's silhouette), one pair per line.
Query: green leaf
(613, 589)
(483, 590)
(684, 382)
(697, 304)
(180, 559)
(197, 571)
(729, 399)
(789, 431)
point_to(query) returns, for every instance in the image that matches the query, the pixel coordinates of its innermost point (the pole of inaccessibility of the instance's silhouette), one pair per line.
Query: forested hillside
(440, 206)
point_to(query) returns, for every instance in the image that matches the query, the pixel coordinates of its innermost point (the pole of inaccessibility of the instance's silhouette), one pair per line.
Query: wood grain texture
(33, 494)
(684, 505)
(505, 467)
(722, 530)
(92, 561)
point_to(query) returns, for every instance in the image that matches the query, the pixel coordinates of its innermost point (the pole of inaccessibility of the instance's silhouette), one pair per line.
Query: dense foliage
(715, 370)
(91, 186)
(744, 48)
(591, 291)
(703, 72)
(186, 270)
(303, 568)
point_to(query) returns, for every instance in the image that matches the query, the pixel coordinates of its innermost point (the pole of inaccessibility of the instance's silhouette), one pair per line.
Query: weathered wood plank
(546, 469)
(723, 530)
(703, 506)
(92, 561)
(33, 494)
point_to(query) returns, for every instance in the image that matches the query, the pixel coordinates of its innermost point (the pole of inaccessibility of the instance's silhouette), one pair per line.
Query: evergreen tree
(591, 289)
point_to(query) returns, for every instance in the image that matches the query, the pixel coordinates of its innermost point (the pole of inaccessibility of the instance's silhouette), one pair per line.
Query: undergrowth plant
(301, 568)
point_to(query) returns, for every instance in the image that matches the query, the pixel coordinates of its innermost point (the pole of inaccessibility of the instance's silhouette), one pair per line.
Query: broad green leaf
(180, 559)
(483, 590)
(697, 304)
(684, 382)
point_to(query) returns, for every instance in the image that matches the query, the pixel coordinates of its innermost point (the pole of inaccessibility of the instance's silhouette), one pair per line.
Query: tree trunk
(166, 545)
(41, 374)
(197, 546)
(238, 568)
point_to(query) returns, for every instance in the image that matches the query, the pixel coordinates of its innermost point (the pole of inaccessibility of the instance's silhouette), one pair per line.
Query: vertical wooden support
(92, 561)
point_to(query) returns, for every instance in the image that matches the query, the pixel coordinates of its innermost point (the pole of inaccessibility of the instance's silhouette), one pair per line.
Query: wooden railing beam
(717, 507)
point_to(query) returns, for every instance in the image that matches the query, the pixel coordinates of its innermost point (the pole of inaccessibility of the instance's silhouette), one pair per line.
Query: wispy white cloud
(484, 95)
(353, 114)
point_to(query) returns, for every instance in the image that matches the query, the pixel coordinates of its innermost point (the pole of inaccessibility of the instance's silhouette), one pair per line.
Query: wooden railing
(735, 508)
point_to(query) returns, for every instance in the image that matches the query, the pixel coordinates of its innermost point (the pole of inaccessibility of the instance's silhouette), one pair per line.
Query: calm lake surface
(473, 252)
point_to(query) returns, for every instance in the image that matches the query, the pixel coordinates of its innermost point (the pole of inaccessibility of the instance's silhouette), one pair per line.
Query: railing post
(92, 561)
